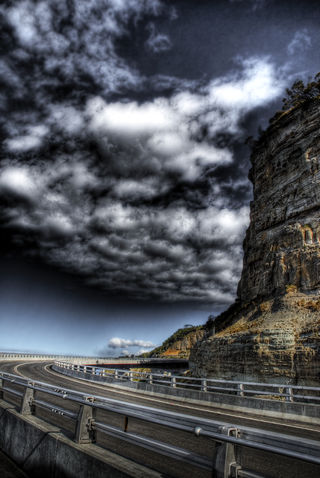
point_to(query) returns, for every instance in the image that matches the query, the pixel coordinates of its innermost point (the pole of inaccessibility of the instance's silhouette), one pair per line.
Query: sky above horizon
(123, 175)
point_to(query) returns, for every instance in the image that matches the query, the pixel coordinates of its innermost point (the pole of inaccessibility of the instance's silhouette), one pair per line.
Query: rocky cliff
(179, 344)
(272, 331)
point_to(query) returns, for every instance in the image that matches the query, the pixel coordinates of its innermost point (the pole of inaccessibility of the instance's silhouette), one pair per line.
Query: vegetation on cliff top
(167, 344)
(299, 94)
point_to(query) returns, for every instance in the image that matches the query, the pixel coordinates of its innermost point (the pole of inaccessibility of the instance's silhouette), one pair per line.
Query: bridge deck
(268, 464)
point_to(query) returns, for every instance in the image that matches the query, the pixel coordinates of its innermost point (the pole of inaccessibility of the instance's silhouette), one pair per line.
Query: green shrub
(299, 92)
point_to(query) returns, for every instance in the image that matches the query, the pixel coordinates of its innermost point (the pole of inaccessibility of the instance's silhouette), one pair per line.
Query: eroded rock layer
(179, 344)
(272, 332)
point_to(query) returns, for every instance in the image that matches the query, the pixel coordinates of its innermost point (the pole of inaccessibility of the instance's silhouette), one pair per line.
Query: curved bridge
(90, 360)
(133, 432)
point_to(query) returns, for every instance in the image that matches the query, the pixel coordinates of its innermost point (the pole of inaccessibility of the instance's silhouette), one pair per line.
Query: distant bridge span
(91, 360)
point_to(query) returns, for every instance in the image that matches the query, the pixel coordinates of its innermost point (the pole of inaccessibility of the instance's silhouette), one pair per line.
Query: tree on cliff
(297, 95)
(299, 92)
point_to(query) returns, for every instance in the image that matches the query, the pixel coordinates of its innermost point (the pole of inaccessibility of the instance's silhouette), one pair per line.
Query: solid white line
(15, 369)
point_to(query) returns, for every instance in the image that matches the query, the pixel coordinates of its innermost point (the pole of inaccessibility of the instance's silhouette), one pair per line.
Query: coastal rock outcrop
(179, 344)
(272, 332)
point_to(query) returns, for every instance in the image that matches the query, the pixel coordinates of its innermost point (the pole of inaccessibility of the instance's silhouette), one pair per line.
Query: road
(269, 465)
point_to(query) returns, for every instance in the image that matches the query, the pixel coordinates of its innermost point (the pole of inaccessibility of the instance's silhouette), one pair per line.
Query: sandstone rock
(272, 331)
(179, 344)
(182, 348)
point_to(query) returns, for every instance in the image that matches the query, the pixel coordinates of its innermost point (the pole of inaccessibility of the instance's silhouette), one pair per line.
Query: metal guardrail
(225, 436)
(288, 393)
(15, 355)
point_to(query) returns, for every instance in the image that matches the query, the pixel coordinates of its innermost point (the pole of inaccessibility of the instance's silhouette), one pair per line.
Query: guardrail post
(27, 402)
(240, 389)
(289, 392)
(130, 376)
(1, 388)
(125, 424)
(150, 379)
(203, 385)
(116, 375)
(173, 382)
(84, 429)
(224, 455)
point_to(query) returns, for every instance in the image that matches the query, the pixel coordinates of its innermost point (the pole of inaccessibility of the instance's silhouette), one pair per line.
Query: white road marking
(20, 365)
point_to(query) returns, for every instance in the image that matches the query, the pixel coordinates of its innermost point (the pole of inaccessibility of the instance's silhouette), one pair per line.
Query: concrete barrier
(301, 412)
(41, 450)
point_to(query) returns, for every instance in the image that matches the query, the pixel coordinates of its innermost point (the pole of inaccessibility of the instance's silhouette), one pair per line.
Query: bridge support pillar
(84, 429)
(224, 459)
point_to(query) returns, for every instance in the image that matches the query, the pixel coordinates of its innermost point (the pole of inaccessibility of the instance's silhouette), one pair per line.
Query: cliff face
(182, 348)
(179, 344)
(282, 243)
(272, 332)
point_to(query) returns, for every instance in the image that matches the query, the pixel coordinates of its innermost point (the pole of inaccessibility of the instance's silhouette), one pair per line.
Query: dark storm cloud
(141, 198)
(157, 42)
(300, 42)
(254, 4)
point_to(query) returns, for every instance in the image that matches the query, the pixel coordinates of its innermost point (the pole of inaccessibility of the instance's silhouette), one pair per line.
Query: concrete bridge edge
(42, 450)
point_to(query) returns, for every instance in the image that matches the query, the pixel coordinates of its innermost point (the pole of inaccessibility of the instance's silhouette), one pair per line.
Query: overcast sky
(123, 174)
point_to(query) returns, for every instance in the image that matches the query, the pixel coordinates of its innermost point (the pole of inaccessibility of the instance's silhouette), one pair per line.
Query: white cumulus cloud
(19, 182)
(118, 343)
